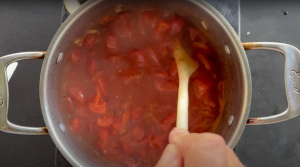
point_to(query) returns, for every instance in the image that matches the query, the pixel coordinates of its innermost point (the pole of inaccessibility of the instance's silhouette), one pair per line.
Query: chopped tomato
(98, 108)
(136, 113)
(147, 137)
(173, 70)
(199, 45)
(129, 76)
(89, 40)
(77, 56)
(143, 155)
(114, 59)
(78, 93)
(153, 56)
(97, 99)
(162, 28)
(122, 22)
(91, 66)
(205, 61)
(92, 126)
(76, 124)
(106, 19)
(105, 121)
(151, 18)
(202, 48)
(125, 119)
(69, 104)
(203, 37)
(83, 110)
(201, 86)
(98, 73)
(101, 83)
(103, 139)
(117, 126)
(139, 57)
(176, 26)
(193, 33)
(169, 122)
(138, 132)
(112, 42)
(131, 163)
(160, 141)
(103, 133)
(166, 85)
(161, 74)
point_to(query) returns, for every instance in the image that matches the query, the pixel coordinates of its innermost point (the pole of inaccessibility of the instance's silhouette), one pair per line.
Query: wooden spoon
(186, 66)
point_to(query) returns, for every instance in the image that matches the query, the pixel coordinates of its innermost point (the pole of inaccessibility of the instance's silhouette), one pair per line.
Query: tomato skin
(69, 104)
(105, 121)
(78, 93)
(125, 119)
(76, 124)
(138, 132)
(153, 56)
(136, 114)
(106, 19)
(89, 40)
(101, 83)
(139, 57)
(98, 108)
(113, 43)
(77, 56)
(129, 76)
(91, 66)
(166, 85)
(161, 74)
(205, 61)
(201, 86)
(203, 48)
(169, 122)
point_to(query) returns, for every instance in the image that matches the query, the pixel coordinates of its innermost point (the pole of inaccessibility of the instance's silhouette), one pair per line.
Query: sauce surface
(122, 85)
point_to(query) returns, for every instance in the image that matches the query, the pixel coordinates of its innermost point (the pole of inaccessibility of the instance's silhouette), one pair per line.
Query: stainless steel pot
(230, 50)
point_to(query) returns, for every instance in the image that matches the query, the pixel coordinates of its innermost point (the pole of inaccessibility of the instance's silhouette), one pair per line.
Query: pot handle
(5, 124)
(291, 77)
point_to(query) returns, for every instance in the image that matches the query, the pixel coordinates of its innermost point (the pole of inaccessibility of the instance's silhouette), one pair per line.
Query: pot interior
(221, 36)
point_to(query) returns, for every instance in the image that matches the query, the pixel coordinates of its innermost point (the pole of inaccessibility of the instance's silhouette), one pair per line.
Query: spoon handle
(183, 103)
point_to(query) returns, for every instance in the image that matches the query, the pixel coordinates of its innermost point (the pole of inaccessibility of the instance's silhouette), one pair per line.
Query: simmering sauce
(122, 85)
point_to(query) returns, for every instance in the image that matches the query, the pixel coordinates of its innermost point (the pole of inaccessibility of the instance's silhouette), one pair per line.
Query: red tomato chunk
(121, 85)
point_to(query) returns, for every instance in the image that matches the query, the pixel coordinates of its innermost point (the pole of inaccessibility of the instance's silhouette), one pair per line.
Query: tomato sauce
(122, 85)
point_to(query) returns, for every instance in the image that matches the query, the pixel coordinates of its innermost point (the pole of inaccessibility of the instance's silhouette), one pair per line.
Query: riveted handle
(291, 77)
(5, 124)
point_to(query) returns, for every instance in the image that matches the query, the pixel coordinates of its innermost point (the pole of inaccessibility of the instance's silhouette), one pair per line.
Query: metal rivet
(204, 25)
(230, 120)
(60, 57)
(227, 50)
(62, 127)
